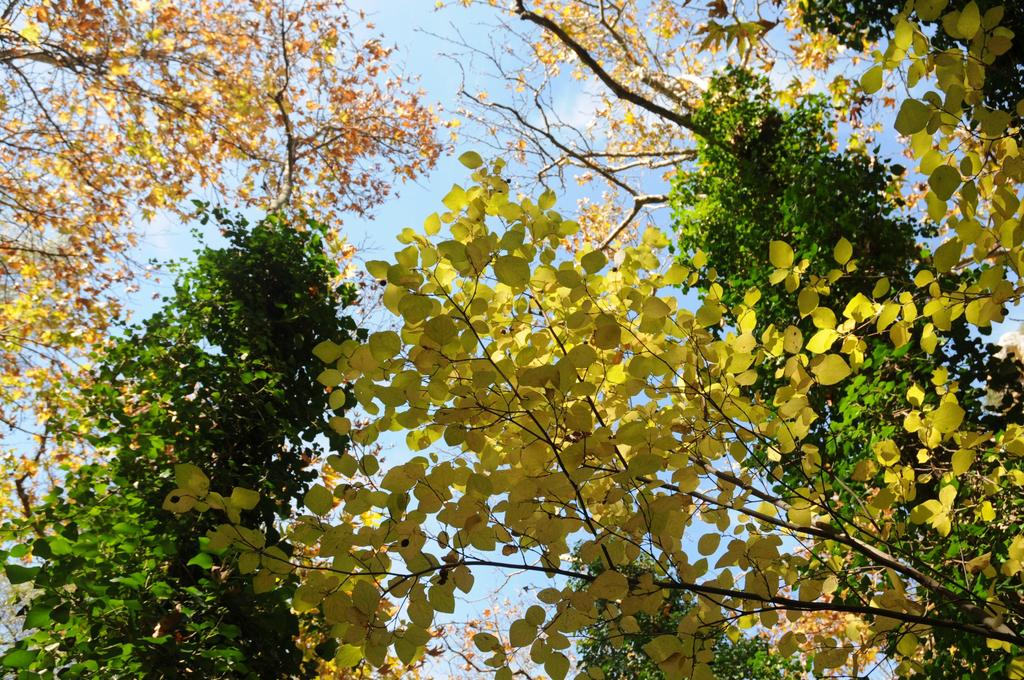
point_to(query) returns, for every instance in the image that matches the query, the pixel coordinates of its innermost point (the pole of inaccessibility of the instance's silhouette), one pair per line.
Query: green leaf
(485, 642)
(319, 500)
(203, 560)
(369, 465)
(521, 633)
(38, 617)
(944, 180)
(17, 573)
(20, 658)
(348, 656)
(593, 261)
(557, 666)
(512, 270)
(871, 81)
(912, 117)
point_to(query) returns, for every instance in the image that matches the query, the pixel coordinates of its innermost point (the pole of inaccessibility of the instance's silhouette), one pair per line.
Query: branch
(284, 194)
(617, 88)
(639, 202)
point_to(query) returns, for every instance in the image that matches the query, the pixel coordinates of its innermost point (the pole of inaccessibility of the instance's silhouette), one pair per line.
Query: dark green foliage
(854, 21)
(780, 179)
(219, 378)
(775, 177)
(621, 657)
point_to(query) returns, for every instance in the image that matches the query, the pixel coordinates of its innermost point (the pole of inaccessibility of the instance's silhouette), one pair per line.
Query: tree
(588, 407)
(115, 111)
(218, 379)
(577, 402)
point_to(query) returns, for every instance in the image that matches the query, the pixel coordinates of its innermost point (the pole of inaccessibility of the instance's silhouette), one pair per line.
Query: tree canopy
(217, 379)
(764, 438)
(116, 113)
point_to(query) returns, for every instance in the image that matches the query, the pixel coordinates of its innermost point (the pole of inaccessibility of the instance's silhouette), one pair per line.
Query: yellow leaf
(656, 308)
(947, 417)
(907, 645)
(336, 399)
(192, 479)
(609, 585)
(330, 377)
(471, 159)
(830, 369)
(792, 340)
(180, 501)
(709, 314)
(30, 33)
(844, 249)
(455, 200)
(546, 201)
(915, 395)
(948, 255)
(969, 21)
(780, 254)
(327, 351)
(244, 499)
(821, 341)
(431, 225)
(886, 452)
(807, 301)
(912, 117)
(944, 180)
(708, 543)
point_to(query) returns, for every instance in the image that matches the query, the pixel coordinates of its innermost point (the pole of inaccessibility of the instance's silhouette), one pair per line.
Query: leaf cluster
(854, 22)
(217, 378)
